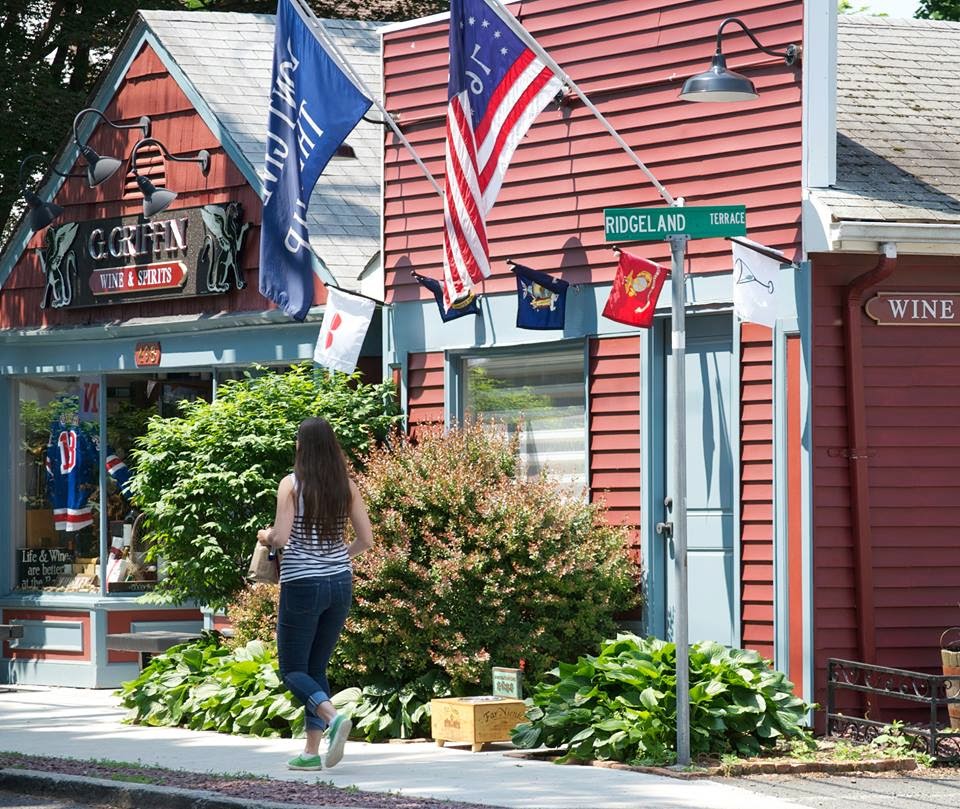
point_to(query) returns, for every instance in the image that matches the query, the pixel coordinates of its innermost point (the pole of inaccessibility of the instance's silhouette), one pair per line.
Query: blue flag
(313, 107)
(541, 299)
(467, 305)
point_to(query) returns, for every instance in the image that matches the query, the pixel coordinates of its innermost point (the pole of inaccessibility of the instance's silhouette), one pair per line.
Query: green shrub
(391, 710)
(253, 615)
(474, 566)
(205, 686)
(621, 705)
(206, 481)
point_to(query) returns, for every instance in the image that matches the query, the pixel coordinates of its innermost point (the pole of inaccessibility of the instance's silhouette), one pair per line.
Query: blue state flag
(467, 305)
(313, 107)
(541, 299)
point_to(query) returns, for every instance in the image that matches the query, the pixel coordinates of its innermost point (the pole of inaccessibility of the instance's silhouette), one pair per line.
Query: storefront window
(58, 478)
(541, 396)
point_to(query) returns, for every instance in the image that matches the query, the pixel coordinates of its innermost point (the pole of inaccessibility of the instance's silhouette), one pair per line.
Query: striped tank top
(306, 557)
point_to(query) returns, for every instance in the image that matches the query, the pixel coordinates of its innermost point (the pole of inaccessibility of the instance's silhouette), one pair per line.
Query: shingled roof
(227, 57)
(898, 121)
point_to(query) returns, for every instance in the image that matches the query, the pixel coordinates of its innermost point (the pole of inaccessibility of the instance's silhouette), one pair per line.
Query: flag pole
(511, 21)
(338, 57)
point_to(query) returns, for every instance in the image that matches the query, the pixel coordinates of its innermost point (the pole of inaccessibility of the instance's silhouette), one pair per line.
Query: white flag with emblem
(346, 319)
(755, 278)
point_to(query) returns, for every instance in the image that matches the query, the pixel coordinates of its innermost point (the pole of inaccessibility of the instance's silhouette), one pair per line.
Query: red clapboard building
(883, 241)
(126, 313)
(603, 385)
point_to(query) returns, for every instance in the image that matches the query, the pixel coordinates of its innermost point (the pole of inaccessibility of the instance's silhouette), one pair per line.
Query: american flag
(497, 87)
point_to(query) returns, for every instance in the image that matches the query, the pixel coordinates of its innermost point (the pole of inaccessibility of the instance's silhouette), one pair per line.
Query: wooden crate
(474, 720)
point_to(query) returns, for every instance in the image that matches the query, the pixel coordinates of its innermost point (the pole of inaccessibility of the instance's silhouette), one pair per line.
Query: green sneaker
(337, 735)
(305, 762)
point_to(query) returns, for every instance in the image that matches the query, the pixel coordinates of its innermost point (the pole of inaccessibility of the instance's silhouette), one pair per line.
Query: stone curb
(127, 795)
(745, 768)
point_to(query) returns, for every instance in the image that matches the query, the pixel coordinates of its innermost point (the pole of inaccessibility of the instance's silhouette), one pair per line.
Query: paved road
(10, 800)
(939, 789)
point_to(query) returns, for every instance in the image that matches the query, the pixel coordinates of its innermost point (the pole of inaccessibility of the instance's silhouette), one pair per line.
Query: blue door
(710, 378)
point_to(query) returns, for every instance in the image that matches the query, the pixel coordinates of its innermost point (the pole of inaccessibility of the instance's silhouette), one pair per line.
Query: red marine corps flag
(497, 86)
(636, 288)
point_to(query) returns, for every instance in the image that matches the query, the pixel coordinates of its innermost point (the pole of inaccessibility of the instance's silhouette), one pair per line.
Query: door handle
(665, 529)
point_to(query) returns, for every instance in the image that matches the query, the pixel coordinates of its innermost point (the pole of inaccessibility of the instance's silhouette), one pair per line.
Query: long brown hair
(323, 480)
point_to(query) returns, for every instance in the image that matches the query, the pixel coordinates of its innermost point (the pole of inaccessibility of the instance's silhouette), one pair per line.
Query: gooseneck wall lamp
(720, 84)
(41, 213)
(102, 167)
(157, 199)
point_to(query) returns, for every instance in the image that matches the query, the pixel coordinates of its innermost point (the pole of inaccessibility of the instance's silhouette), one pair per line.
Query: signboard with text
(44, 567)
(186, 252)
(914, 309)
(653, 224)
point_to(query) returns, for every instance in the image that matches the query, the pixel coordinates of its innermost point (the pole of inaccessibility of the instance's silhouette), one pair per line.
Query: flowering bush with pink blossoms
(475, 566)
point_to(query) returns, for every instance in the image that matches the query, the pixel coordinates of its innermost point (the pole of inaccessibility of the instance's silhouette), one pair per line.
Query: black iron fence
(926, 692)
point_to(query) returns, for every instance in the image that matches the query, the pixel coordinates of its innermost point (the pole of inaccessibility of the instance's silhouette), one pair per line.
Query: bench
(10, 631)
(148, 643)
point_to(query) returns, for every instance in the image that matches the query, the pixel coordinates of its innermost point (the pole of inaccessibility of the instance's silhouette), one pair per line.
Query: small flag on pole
(345, 323)
(497, 87)
(636, 287)
(467, 305)
(541, 299)
(313, 107)
(755, 276)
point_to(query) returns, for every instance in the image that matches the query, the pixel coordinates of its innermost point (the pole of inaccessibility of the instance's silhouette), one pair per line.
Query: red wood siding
(756, 488)
(147, 89)
(424, 390)
(122, 621)
(82, 619)
(615, 431)
(630, 57)
(912, 386)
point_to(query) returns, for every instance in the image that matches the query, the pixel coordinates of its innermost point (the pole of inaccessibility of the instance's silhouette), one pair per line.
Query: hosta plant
(205, 686)
(389, 710)
(621, 705)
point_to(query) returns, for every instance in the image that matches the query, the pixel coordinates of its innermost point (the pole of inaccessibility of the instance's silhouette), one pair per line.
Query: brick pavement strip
(127, 795)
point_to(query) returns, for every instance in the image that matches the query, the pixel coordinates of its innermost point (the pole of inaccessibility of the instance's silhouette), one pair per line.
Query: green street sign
(651, 224)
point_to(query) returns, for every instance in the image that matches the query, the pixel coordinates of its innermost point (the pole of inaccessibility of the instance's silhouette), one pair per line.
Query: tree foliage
(939, 10)
(52, 52)
(206, 481)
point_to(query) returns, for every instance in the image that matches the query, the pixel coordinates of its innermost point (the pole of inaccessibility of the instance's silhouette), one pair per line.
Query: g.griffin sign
(914, 309)
(192, 251)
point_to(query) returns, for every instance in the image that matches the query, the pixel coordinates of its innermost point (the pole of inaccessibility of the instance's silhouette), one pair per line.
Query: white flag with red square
(346, 319)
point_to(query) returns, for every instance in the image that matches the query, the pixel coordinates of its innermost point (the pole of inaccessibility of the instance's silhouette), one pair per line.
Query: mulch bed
(236, 786)
(759, 766)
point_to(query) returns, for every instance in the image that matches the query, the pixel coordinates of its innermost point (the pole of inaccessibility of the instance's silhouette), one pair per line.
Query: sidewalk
(85, 724)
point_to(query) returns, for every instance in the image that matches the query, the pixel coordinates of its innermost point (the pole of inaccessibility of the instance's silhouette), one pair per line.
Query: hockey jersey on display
(70, 461)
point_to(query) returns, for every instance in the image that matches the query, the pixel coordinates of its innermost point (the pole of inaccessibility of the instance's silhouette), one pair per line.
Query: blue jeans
(311, 616)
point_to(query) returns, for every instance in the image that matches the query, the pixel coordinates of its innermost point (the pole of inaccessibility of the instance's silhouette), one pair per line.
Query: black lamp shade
(154, 199)
(718, 84)
(99, 168)
(41, 213)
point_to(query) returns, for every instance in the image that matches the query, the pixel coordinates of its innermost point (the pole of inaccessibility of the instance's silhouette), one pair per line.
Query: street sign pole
(678, 224)
(678, 342)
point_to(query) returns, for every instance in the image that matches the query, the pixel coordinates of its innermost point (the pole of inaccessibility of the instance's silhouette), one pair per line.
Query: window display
(58, 478)
(541, 396)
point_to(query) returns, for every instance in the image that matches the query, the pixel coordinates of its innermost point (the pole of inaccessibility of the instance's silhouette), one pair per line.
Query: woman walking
(313, 505)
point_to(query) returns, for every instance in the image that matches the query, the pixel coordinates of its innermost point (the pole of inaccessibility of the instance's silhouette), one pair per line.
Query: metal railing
(929, 690)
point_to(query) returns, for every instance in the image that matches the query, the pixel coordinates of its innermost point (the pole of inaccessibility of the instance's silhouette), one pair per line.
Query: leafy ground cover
(621, 705)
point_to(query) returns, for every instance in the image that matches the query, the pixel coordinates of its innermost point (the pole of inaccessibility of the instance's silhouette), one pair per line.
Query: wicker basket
(950, 655)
